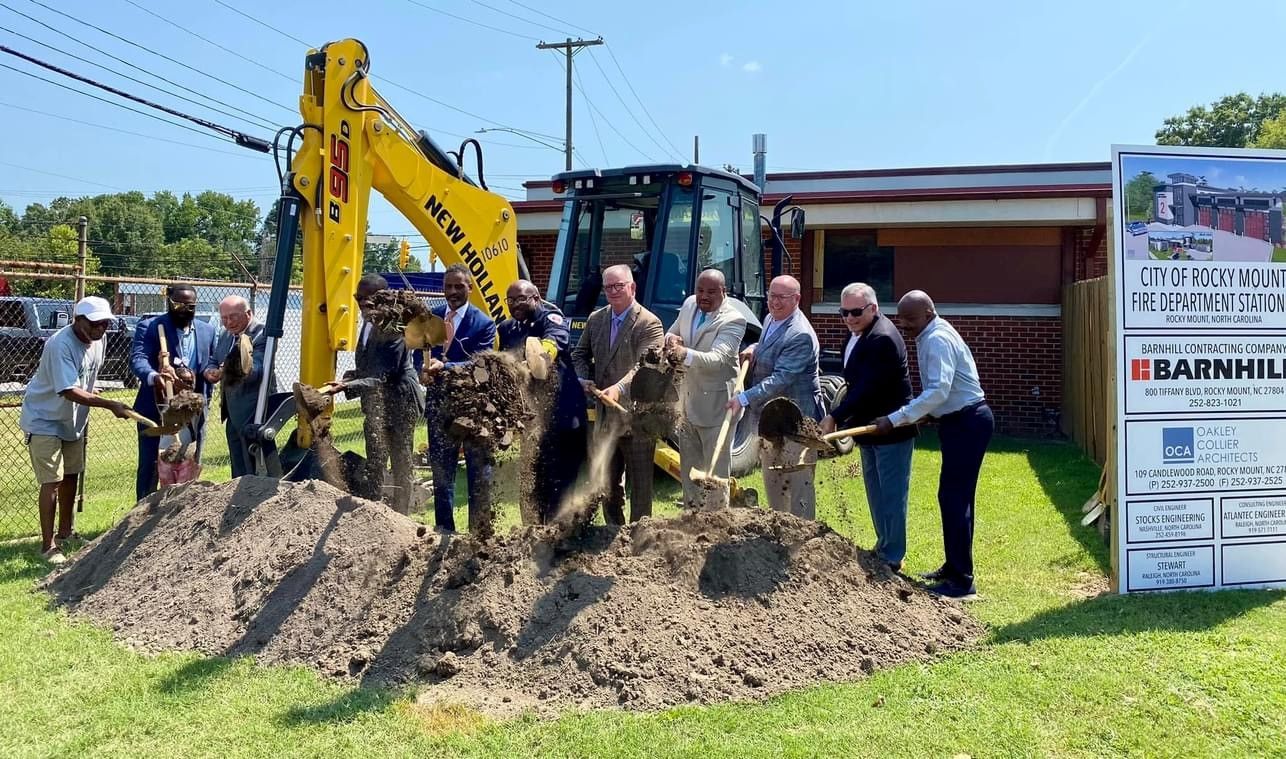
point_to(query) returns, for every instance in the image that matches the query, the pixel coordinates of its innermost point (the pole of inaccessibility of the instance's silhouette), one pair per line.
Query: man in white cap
(55, 410)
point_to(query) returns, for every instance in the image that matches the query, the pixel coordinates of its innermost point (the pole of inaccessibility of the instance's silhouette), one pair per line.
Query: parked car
(25, 325)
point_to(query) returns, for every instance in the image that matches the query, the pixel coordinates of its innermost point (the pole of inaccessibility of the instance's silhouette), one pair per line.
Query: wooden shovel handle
(132, 414)
(602, 396)
(727, 418)
(851, 431)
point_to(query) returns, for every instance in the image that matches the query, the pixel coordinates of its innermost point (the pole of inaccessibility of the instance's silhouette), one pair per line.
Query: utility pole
(696, 148)
(570, 48)
(82, 255)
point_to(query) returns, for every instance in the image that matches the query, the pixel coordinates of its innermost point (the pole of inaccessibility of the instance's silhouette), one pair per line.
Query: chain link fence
(26, 322)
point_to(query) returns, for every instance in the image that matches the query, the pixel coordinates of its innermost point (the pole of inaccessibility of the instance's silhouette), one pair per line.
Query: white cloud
(751, 66)
(725, 59)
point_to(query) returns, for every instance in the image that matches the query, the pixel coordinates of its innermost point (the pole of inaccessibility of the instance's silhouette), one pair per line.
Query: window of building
(852, 255)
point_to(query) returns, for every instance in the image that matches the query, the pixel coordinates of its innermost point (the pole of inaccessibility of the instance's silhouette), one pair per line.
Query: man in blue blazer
(469, 331)
(784, 365)
(191, 345)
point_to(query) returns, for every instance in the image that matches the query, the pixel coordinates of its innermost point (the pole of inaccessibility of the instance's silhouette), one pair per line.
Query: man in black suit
(392, 401)
(878, 384)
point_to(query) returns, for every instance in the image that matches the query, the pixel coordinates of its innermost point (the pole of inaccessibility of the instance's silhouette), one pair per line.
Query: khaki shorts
(54, 459)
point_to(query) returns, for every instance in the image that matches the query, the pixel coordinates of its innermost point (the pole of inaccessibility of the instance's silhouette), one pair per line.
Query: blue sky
(834, 85)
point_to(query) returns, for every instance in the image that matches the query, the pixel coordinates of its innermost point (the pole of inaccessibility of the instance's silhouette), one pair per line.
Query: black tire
(833, 390)
(745, 448)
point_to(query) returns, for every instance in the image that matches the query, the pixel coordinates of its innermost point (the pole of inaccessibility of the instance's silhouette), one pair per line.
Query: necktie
(616, 327)
(450, 328)
(696, 324)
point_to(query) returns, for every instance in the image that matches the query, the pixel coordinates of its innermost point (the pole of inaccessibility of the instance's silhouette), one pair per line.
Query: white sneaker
(54, 556)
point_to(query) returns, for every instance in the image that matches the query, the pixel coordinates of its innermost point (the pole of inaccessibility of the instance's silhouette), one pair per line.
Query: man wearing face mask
(191, 345)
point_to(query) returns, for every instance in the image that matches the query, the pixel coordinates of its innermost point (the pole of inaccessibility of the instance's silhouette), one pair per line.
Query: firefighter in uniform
(555, 446)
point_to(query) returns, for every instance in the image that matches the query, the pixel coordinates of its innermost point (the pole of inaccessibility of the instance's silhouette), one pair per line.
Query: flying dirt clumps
(708, 607)
(184, 406)
(484, 403)
(391, 310)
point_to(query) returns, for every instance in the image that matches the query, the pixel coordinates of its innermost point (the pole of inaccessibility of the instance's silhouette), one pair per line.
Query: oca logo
(1177, 445)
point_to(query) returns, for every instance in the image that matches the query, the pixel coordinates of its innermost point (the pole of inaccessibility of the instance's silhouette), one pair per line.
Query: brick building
(993, 245)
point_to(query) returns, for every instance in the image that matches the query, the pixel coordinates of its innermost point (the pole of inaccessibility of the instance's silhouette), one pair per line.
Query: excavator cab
(668, 223)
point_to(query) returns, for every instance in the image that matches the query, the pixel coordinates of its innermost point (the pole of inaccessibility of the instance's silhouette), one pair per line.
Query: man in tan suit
(615, 338)
(706, 338)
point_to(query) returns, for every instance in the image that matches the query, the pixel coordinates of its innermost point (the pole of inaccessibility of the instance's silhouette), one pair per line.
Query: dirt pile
(708, 607)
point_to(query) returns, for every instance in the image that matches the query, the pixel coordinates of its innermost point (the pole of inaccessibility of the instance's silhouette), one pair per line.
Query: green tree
(8, 219)
(1233, 121)
(382, 258)
(128, 234)
(1272, 134)
(1138, 196)
(58, 245)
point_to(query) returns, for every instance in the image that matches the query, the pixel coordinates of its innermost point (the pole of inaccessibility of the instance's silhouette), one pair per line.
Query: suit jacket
(384, 363)
(605, 364)
(712, 353)
(145, 353)
(240, 398)
(785, 365)
(878, 382)
(476, 333)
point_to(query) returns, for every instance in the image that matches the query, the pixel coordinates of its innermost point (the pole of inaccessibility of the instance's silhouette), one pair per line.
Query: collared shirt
(617, 321)
(848, 349)
(187, 346)
(65, 362)
(458, 317)
(948, 375)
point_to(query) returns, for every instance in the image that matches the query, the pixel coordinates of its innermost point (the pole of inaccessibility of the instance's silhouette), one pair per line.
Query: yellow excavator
(668, 221)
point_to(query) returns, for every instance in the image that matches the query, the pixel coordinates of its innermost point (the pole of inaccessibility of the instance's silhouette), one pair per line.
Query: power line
(62, 176)
(594, 122)
(554, 18)
(467, 21)
(519, 18)
(264, 24)
(210, 41)
(608, 121)
(160, 55)
(628, 110)
(639, 99)
(118, 59)
(126, 131)
(240, 138)
(255, 120)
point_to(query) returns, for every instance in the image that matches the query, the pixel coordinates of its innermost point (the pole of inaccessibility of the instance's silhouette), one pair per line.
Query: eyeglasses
(616, 287)
(516, 301)
(843, 312)
(781, 296)
(176, 305)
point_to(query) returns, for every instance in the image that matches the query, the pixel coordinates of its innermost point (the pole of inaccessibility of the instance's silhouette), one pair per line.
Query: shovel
(866, 429)
(152, 428)
(425, 332)
(599, 394)
(537, 358)
(696, 475)
(781, 418)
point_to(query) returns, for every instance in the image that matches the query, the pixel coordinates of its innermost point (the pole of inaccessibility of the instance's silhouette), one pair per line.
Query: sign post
(1200, 306)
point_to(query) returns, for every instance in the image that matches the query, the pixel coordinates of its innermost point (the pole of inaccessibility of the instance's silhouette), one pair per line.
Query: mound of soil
(708, 607)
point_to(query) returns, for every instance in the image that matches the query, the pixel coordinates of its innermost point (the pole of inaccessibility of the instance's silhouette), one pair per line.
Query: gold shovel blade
(537, 361)
(425, 332)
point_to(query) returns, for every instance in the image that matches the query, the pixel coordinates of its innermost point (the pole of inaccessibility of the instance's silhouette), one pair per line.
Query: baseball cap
(94, 308)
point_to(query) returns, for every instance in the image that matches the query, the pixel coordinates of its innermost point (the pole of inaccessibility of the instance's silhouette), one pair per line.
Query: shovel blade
(537, 362)
(425, 332)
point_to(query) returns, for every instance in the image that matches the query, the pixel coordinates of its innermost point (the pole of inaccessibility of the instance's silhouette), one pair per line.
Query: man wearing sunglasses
(784, 365)
(191, 345)
(878, 384)
(551, 457)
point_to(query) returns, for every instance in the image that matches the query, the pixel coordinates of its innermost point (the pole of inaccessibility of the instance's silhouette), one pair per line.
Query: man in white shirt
(705, 338)
(952, 394)
(55, 412)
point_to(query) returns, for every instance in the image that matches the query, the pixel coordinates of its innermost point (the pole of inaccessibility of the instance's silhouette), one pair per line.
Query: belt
(966, 409)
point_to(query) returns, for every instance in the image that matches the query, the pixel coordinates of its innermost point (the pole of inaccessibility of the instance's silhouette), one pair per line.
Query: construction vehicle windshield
(666, 229)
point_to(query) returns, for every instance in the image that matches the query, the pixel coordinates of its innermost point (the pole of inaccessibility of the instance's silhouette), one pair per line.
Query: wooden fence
(1089, 394)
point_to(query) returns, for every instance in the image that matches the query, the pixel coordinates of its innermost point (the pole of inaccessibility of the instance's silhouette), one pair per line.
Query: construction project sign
(1200, 273)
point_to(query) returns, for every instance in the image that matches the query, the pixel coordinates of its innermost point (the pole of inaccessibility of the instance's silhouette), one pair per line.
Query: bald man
(705, 338)
(952, 394)
(615, 338)
(784, 365)
(239, 384)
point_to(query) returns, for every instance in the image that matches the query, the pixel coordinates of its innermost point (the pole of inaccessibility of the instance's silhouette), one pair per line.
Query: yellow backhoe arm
(359, 143)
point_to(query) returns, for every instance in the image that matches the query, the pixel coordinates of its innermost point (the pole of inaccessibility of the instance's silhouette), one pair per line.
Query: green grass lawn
(1063, 671)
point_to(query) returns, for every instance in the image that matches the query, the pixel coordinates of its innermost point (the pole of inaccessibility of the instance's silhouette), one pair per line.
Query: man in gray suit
(705, 338)
(615, 338)
(239, 357)
(785, 365)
